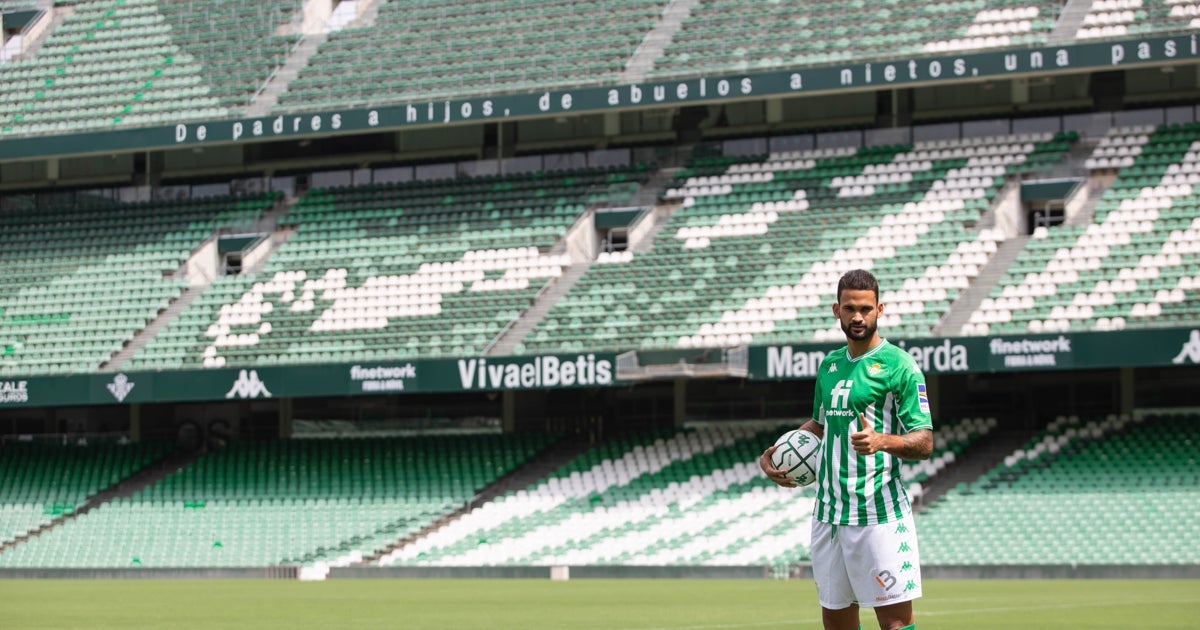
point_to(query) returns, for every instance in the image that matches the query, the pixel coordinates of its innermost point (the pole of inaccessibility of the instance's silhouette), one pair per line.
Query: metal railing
(275, 71)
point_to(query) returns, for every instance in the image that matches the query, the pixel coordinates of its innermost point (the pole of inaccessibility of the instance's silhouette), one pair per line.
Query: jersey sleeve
(913, 398)
(817, 404)
(819, 397)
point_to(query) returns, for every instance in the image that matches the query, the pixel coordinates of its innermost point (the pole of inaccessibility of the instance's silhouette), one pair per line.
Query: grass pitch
(579, 604)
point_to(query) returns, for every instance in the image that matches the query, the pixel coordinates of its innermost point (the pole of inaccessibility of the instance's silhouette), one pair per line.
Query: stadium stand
(1115, 18)
(109, 64)
(41, 483)
(126, 63)
(771, 227)
(695, 497)
(625, 503)
(1132, 266)
(63, 261)
(499, 47)
(1075, 495)
(234, 43)
(720, 37)
(742, 246)
(430, 268)
(283, 502)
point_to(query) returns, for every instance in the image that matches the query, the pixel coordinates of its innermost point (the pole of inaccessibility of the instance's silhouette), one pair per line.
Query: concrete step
(125, 488)
(985, 454)
(656, 41)
(989, 276)
(522, 477)
(143, 337)
(297, 59)
(1069, 21)
(516, 332)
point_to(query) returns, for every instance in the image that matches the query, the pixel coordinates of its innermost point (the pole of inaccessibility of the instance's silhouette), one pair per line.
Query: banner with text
(875, 74)
(1010, 353)
(358, 379)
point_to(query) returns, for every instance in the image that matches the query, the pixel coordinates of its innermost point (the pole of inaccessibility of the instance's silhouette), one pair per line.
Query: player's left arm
(915, 441)
(912, 446)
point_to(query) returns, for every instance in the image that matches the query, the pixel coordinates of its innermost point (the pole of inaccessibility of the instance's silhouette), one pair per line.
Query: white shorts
(875, 565)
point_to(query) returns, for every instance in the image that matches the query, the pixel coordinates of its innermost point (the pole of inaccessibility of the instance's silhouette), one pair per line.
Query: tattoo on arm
(812, 427)
(914, 446)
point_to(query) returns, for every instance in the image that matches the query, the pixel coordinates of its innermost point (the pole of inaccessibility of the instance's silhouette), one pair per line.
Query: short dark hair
(858, 280)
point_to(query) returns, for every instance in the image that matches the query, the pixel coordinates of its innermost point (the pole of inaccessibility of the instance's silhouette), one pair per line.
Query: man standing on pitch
(871, 410)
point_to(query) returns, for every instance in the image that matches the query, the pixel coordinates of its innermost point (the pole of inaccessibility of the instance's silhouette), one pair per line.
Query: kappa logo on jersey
(841, 392)
(922, 397)
(248, 385)
(832, 368)
(120, 387)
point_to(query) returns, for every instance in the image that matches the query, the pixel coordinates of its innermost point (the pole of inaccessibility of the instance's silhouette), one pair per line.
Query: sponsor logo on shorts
(886, 580)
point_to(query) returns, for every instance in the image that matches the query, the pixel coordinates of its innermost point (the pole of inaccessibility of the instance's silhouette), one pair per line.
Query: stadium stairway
(143, 336)
(989, 276)
(278, 82)
(1069, 22)
(142, 479)
(279, 235)
(535, 469)
(648, 193)
(1098, 184)
(656, 41)
(1085, 510)
(516, 331)
(368, 10)
(147, 476)
(976, 459)
(30, 48)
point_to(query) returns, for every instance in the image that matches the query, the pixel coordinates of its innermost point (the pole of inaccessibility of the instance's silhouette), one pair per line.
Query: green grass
(579, 604)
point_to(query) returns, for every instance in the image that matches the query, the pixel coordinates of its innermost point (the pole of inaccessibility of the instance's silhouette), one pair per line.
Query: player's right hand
(778, 475)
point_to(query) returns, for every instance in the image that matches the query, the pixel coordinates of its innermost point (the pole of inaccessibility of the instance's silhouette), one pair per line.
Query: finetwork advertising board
(940, 355)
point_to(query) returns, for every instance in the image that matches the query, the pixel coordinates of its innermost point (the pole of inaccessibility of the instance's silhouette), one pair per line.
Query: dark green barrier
(343, 379)
(1067, 351)
(871, 75)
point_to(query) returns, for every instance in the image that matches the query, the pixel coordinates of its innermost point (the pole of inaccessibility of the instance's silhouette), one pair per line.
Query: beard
(868, 331)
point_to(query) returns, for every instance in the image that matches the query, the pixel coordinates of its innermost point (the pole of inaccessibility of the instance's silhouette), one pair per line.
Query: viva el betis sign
(939, 355)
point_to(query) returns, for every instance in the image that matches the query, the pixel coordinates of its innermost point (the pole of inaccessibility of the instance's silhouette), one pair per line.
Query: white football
(798, 452)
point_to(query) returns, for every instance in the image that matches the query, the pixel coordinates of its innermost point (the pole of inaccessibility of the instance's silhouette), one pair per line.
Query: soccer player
(871, 411)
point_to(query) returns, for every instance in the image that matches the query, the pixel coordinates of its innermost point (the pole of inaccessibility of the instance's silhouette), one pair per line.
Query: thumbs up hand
(866, 441)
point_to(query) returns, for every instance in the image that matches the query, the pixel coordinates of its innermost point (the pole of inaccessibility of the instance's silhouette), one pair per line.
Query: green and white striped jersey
(886, 385)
